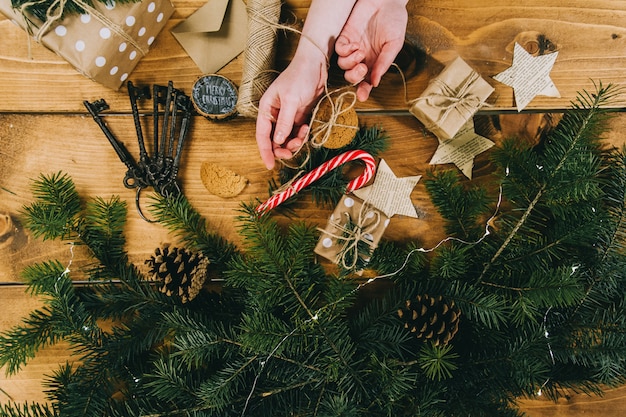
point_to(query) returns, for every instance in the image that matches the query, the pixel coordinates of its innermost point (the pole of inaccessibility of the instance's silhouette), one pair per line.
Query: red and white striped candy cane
(300, 183)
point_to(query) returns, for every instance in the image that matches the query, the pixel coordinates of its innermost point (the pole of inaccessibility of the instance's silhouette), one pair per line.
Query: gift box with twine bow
(451, 99)
(352, 233)
(103, 41)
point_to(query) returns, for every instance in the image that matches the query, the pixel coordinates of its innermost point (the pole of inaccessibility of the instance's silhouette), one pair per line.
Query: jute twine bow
(323, 128)
(54, 13)
(367, 222)
(461, 100)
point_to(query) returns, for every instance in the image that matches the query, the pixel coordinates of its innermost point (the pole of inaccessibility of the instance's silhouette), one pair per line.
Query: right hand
(285, 108)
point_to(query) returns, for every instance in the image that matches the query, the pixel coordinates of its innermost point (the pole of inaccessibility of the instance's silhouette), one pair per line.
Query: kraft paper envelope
(214, 34)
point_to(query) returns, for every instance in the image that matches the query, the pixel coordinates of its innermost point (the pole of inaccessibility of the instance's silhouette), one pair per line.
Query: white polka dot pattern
(349, 221)
(106, 49)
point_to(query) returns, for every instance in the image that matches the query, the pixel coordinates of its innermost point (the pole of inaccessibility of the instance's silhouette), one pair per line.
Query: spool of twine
(259, 55)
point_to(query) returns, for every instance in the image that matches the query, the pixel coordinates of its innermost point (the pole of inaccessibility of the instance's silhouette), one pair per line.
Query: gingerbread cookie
(221, 181)
(335, 124)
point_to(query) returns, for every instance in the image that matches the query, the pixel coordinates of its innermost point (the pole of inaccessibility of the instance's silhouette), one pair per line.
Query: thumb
(284, 123)
(384, 60)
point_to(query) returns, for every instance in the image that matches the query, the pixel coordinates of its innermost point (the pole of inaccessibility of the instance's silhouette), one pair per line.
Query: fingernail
(279, 138)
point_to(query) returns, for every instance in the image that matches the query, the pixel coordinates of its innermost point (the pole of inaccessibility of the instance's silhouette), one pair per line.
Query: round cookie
(221, 181)
(343, 129)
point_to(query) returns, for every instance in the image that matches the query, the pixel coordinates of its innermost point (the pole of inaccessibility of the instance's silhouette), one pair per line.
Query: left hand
(370, 41)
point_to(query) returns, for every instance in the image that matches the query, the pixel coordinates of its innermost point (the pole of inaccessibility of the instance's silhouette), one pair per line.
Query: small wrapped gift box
(451, 99)
(105, 43)
(352, 233)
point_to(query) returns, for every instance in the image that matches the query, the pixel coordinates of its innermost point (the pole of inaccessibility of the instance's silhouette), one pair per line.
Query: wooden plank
(30, 148)
(27, 385)
(590, 38)
(611, 404)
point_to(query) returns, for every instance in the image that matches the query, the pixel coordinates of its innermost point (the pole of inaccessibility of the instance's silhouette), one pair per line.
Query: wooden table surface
(44, 128)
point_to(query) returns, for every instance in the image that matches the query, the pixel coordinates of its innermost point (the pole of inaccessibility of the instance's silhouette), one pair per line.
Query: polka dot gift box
(352, 233)
(106, 42)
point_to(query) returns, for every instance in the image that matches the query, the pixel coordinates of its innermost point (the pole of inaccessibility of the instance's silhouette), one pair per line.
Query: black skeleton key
(133, 177)
(164, 130)
(157, 98)
(169, 185)
(135, 94)
(184, 104)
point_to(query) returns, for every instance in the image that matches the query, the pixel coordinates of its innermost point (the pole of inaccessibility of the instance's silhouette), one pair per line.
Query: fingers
(344, 47)
(271, 149)
(356, 74)
(363, 91)
(351, 60)
(384, 60)
(284, 123)
(263, 140)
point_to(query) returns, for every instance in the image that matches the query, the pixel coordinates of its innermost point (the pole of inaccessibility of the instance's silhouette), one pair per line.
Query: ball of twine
(259, 55)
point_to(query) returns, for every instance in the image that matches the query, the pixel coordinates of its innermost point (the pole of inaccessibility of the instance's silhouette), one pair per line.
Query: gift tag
(214, 97)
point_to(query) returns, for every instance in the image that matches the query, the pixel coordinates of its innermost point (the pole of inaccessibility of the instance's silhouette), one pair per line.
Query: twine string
(367, 222)
(449, 100)
(320, 134)
(289, 184)
(322, 131)
(260, 53)
(54, 13)
(462, 99)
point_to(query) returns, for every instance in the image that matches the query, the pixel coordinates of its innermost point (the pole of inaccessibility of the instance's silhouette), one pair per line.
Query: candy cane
(299, 184)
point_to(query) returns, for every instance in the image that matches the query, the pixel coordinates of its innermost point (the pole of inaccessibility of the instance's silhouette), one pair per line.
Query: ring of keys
(172, 114)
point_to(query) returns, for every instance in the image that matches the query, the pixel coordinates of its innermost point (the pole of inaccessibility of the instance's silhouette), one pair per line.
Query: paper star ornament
(388, 193)
(529, 76)
(462, 149)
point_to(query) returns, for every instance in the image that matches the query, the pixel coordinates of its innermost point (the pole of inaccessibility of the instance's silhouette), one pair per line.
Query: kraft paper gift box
(451, 99)
(106, 42)
(214, 34)
(352, 233)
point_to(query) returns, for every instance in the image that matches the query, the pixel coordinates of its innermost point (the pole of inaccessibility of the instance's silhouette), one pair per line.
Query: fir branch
(103, 231)
(460, 206)
(576, 129)
(198, 341)
(27, 410)
(437, 362)
(285, 260)
(172, 384)
(228, 384)
(178, 215)
(61, 317)
(57, 204)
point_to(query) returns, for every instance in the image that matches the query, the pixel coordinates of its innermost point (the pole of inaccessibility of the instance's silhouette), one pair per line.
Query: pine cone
(431, 318)
(179, 271)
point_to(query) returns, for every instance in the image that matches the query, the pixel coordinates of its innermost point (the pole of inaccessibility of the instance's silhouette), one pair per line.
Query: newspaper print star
(388, 193)
(529, 76)
(462, 149)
